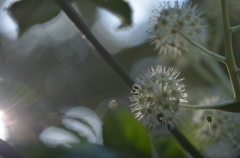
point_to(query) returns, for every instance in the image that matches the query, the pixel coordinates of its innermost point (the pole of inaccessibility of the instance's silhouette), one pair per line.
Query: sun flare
(3, 134)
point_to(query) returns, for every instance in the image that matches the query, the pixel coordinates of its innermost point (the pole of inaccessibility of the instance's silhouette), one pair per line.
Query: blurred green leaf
(166, 146)
(122, 132)
(30, 12)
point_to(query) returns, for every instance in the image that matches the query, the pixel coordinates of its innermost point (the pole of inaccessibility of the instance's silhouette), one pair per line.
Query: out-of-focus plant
(182, 32)
(171, 28)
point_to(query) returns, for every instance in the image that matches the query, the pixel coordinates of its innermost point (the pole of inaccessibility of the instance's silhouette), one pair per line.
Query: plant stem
(235, 28)
(213, 106)
(73, 15)
(205, 50)
(185, 143)
(238, 71)
(210, 127)
(154, 152)
(216, 41)
(230, 61)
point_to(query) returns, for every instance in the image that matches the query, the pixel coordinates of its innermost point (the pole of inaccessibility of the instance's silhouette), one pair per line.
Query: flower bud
(209, 118)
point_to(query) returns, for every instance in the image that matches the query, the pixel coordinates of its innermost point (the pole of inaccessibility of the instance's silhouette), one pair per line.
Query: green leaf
(123, 133)
(30, 12)
(166, 146)
(120, 8)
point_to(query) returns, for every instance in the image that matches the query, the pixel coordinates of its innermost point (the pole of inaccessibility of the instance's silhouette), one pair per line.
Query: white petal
(82, 129)
(54, 136)
(90, 117)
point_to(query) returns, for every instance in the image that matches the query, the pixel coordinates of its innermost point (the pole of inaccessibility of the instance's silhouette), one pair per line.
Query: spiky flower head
(168, 22)
(156, 97)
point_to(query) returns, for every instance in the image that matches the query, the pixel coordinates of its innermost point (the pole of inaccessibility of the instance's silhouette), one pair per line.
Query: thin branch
(235, 28)
(74, 16)
(205, 50)
(185, 143)
(213, 106)
(230, 61)
(238, 71)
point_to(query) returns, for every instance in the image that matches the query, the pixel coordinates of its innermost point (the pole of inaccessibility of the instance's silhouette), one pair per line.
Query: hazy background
(50, 68)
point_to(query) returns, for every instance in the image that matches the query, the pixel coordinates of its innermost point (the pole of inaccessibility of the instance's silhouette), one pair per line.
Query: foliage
(40, 11)
(59, 82)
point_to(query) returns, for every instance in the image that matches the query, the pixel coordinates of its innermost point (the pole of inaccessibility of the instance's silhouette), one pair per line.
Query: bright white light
(3, 134)
(8, 26)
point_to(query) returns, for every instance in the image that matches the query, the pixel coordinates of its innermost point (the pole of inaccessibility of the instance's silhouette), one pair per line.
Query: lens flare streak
(2, 127)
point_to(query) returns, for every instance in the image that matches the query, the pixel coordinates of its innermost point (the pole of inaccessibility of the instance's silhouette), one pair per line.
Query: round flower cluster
(156, 97)
(168, 22)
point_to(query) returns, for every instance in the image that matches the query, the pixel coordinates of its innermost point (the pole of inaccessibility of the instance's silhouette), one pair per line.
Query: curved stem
(185, 143)
(205, 50)
(210, 127)
(154, 152)
(238, 71)
(213, 106)
(230, 61)
(235, 28)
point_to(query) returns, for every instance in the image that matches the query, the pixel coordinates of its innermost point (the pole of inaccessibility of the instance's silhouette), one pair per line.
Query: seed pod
(209, 118)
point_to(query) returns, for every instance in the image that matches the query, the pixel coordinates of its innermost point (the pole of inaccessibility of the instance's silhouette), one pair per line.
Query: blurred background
(47, 69)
